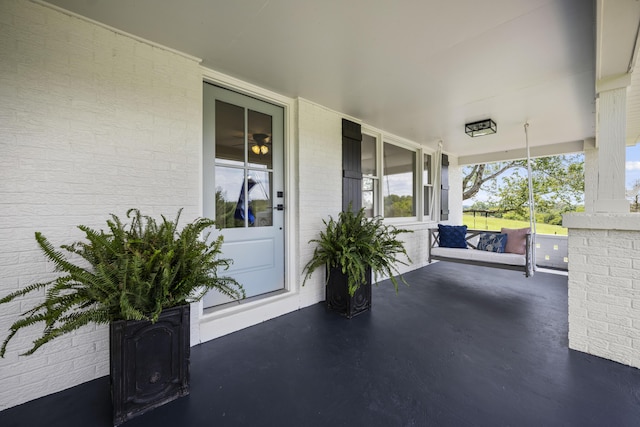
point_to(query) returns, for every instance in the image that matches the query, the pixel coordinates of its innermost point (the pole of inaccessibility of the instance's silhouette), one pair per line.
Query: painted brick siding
(320, 192)
(91, 122)
(319, 183)
(604, 294)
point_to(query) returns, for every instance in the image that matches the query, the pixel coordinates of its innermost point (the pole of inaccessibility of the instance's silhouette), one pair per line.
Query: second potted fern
(354, 250)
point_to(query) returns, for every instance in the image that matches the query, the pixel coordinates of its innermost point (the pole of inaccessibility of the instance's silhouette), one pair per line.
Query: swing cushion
(516, 240)
(452, 236)
(492, 242)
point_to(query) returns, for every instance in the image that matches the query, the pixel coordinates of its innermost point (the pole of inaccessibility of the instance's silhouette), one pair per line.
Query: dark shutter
(351, 165)
(444, 188)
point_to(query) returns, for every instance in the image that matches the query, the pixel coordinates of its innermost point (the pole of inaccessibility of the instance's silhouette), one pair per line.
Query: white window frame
(420, 152)
(424, 216)
(376, 176)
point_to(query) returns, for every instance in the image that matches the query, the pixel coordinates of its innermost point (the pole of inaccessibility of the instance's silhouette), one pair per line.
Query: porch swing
(480, 247)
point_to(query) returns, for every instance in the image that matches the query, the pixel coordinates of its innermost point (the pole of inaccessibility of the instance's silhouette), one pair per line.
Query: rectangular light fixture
(480, 128)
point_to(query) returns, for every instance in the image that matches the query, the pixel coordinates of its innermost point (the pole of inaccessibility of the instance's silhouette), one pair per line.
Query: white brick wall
(319, 183)
(604, 293)
(91, 123)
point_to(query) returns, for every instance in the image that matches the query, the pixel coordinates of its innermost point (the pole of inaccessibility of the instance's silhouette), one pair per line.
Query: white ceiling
(419, 69)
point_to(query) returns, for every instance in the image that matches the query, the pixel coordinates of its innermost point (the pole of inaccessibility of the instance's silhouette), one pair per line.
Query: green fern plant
(130, 272)
(355, 243)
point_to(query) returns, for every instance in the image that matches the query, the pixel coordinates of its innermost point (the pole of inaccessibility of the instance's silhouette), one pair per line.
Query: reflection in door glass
(260, 149)
(260, 205)
(230, 133)
(230, 209)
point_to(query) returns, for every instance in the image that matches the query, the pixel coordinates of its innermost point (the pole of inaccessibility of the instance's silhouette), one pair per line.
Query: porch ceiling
(418, 69)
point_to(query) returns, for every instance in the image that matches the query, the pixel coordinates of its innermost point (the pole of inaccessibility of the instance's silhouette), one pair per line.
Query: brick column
(604, 285)
(604, 243)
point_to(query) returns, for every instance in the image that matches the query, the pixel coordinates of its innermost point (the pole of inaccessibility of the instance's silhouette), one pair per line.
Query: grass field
(497, 223)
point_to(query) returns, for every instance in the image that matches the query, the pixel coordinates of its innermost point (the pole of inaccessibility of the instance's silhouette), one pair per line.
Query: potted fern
(352, 249)
(139, 278)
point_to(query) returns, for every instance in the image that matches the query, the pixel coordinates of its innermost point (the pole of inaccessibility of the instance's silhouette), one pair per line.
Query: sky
(632, 169)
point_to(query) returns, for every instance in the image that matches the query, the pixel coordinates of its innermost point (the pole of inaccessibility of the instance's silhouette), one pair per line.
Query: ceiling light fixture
(260, 144)
(481, 128)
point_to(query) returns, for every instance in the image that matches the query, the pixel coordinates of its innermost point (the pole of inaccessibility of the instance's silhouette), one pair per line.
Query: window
(427, 185)
(397, 178)
(369, 175)
(399, 181)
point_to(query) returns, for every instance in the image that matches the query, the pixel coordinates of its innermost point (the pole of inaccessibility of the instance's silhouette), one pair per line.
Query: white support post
(612, 120)
(590, 178)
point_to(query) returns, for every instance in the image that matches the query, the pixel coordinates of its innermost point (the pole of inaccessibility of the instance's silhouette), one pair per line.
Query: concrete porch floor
(463, 346)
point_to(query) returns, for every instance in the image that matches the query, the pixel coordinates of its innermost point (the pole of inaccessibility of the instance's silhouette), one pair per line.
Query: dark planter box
(149, 363)
(338, 298)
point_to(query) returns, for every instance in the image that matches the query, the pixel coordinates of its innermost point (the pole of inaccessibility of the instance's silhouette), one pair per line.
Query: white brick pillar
(604, 285)
(604, 243)
(612, 121)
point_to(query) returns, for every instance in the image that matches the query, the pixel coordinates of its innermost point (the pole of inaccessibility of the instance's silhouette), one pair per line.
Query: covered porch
(103, 111)
(461, 346)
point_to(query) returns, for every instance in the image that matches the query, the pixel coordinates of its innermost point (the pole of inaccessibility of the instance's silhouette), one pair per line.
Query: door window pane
(230, 206)
(399, 184)
(230, 135)
(259, 149)
(260, 209)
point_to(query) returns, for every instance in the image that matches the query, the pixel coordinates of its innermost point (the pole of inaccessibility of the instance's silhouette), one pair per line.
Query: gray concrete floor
(462, 346)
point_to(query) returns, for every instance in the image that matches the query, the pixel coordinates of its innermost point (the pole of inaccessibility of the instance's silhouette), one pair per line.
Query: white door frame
(230, 318)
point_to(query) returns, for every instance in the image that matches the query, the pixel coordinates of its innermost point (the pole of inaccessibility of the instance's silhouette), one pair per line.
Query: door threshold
(220, 307)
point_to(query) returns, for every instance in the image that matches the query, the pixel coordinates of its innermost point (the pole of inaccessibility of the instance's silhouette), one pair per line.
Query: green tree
(225, 210)
(398, 206)
(484, 177)
(558, 185)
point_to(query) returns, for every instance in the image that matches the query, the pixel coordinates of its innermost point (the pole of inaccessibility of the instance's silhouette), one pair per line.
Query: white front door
(243, 187)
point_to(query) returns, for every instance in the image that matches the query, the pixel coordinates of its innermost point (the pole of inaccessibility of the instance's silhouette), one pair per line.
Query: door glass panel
(260, 150)
(260, 200)
(230, 135)
(230, 209)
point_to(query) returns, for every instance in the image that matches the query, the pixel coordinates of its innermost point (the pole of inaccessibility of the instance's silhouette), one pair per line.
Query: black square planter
(149, 362)
(338, 298)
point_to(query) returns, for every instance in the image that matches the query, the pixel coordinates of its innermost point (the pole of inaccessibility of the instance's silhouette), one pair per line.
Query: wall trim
(241, 86)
